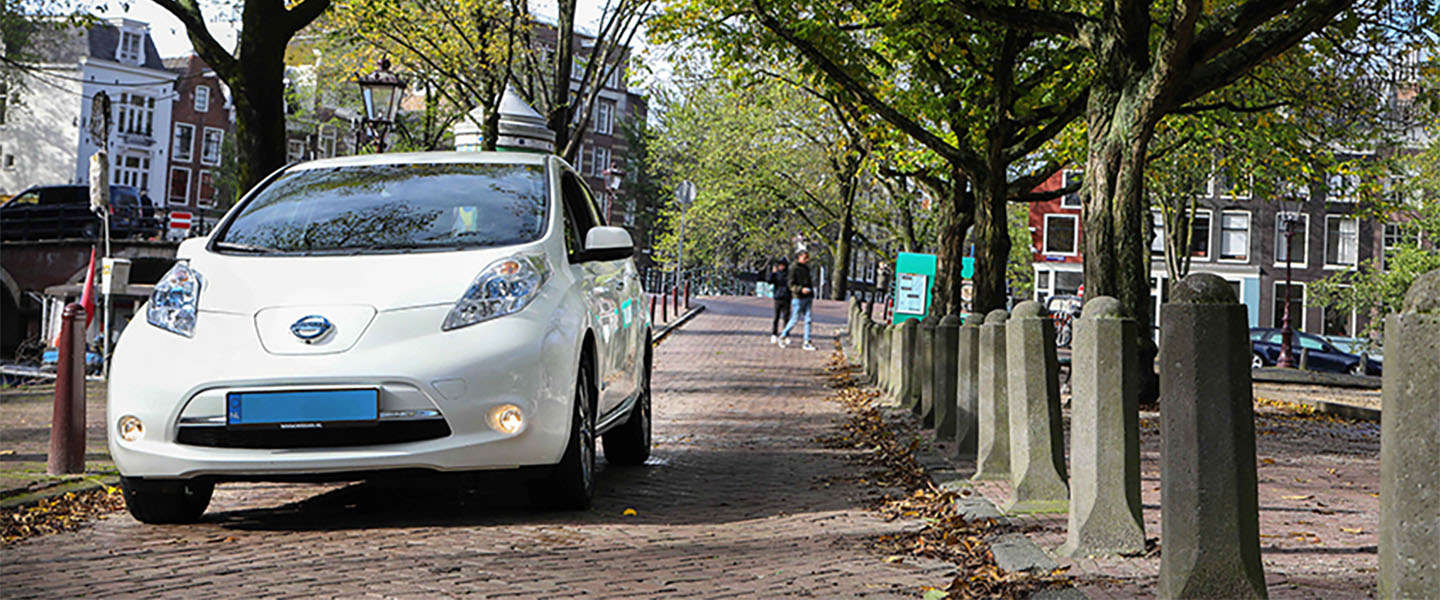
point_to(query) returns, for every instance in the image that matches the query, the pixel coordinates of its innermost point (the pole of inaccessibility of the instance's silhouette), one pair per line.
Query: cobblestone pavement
(738, 501)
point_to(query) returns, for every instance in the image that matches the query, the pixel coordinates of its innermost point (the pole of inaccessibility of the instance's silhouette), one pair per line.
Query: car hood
(248, 284)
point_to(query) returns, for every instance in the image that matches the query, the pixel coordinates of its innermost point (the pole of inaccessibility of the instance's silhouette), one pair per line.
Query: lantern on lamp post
(614, 176)
(380, 91)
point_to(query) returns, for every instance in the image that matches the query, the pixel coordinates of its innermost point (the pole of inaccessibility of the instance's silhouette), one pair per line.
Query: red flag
(87, 298)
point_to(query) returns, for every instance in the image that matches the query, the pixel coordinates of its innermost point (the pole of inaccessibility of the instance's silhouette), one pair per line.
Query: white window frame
(1209, 235)
(1276, 297)
(135, 56)
(1247, 192)
(1341, 265)
(1049, 288)
(205, 159)
(1075, 237)
(1249, 231)
(202, 98)
(4, 104)
(199, 179)
(1304, 236)
(169, 181)
(137, 176)
(1157, 225)
(1354, 319)
(188, 153)
(134, 119)
(601, 164)
(604, 116)
(294, 150)
(1065, 176)
(1344, 182)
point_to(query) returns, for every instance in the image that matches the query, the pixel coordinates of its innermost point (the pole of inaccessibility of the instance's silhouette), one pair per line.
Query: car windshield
(378, 208)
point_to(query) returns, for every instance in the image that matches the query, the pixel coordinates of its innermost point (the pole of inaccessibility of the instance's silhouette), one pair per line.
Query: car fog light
(130, 428)
(506, 418)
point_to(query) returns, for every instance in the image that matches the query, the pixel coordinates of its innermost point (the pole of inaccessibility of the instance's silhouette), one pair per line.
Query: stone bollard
(1037, 443)
(1209, 513)
(924, 373)
(902, 365)
(942, 371)
(993, 414)
(872, 351)
(883, 357)
(852, 324)
(1410, 446)
(1104, 434)
(967, 386)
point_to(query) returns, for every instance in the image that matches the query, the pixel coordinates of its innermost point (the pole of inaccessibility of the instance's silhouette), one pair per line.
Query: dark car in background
(63, 212)
(1322, 355)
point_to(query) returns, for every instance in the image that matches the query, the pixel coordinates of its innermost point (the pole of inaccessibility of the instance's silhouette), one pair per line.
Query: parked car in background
(1322, 355)
(447, 311)
(63, 212)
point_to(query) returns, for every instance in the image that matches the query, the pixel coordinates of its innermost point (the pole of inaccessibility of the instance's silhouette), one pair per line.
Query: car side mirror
(608, 243)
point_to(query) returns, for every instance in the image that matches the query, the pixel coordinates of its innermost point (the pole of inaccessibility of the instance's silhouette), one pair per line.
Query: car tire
(1256, 361)
(166, 501)
(629, 444)
(571, 483)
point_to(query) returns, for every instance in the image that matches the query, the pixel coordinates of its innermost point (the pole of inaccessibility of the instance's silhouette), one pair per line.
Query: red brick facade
(201, 119)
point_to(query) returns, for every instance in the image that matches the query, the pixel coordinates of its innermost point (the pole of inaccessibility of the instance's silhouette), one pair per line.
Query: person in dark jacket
(779, 279)
(803, 288)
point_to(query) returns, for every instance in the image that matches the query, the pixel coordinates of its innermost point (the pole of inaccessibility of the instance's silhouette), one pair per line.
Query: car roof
(397, 158)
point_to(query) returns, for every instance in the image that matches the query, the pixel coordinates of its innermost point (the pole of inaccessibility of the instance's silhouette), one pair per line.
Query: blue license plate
(314, 408)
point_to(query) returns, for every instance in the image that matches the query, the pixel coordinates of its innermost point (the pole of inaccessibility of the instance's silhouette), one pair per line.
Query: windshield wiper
(246, 248)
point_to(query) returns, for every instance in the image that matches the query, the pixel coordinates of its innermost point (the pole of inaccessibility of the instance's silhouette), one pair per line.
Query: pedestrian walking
(803, 288)
(779, 279)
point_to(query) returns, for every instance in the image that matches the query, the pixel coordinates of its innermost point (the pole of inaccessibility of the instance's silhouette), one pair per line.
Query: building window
(1157, 233)
(1235, 235)
(1342, 241)
(183, 148)
(1341, 188)
(328, 135)
(602, 160)
(202, 98)
(132, 170)
(1200, 234)
(205, 189)
(580, 158)
(1296, 251)
(9, 161)
(605, 117)
(1062, 234)
(210, 146)
(132, 49)
(179, 186)
(4, 102)
(135, 114)
(1339, 323)
(294, 150)
(1297, 305)
(1068, 178)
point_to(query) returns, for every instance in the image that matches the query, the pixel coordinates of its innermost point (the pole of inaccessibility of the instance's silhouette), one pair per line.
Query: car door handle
(618, 284)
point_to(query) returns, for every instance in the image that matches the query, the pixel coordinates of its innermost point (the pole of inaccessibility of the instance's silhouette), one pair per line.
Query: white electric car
(436, 311)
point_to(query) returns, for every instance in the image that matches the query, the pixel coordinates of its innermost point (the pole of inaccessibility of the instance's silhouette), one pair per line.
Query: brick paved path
(738, 501)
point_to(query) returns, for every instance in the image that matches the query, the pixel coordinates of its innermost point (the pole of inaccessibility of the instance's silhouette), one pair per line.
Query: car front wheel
(1256, 361)
(629, 444)
(166, 501)
(571, 483)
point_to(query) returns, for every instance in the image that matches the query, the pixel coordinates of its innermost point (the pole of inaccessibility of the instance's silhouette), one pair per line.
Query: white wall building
(44, 137)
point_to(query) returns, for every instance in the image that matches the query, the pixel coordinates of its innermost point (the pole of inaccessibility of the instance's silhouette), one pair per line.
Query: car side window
(26, 198)
(1274, 337)
(1311, 343)
(579, 215)
(590, 199)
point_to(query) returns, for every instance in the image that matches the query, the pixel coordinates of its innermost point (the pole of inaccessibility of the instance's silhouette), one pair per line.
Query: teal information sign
(914, 284)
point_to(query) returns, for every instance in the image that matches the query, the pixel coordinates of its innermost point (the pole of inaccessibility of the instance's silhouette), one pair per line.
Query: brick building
(202, 118)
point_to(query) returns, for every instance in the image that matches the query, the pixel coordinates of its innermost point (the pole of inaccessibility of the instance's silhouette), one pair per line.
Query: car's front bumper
(171, 382)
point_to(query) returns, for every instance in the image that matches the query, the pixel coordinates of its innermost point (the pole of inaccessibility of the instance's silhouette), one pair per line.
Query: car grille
(391, 432)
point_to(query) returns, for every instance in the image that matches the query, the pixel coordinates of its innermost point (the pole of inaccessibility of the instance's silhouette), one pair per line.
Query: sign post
(914, 286)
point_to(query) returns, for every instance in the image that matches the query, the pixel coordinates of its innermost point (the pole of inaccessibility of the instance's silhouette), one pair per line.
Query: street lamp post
(380, 91)
(614, 176)
(1291, 220)
(684, 195)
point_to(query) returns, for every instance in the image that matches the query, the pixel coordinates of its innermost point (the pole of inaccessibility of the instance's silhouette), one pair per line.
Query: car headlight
(503, 288)
(176, 299)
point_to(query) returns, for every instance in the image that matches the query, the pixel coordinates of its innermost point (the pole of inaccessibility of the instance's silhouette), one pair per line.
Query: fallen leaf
(1297, 497)
(1267, 461)
(934, 594)
(629, 512)
(894, 559)
(1352, 530)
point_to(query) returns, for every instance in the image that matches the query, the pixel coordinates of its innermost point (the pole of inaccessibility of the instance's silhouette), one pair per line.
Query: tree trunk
(992, 244)
(840, 267)
(259, 107)
(957, 217)
(560, 107)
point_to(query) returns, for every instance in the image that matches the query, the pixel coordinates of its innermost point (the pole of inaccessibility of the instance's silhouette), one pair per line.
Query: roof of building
(68, 45)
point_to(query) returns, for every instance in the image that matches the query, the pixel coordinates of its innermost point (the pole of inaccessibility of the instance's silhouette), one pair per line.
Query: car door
(594, 279)
(614, 277)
